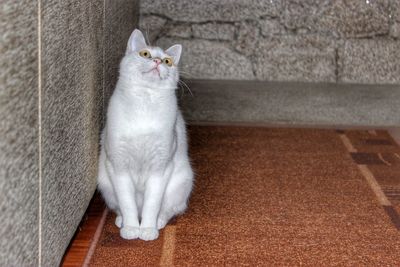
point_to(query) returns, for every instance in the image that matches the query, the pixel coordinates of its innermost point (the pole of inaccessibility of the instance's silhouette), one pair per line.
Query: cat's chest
(137, 127)
(148, 118)
(146, 135)
(140, 130)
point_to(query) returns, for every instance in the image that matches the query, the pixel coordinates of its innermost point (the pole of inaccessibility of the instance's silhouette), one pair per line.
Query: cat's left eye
(168, 61)
(145, 53)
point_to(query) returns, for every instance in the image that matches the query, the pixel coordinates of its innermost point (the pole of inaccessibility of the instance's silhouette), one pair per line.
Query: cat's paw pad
(129, 232)
(118, 221)
(148, 233)
(161, 223)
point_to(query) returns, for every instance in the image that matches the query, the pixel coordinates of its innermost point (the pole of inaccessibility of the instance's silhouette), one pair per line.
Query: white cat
(144, 170)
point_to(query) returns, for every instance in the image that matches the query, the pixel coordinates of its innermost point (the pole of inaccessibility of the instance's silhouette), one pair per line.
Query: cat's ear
(175, 52)
(136, 41)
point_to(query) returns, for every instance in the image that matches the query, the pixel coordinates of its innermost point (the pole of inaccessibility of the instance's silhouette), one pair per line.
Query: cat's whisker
(184, 72)
(182, 90)
(190, 75)
(185, 85)
(147, 35)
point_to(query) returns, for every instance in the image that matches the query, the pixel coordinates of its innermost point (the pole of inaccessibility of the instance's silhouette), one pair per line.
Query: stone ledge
(289, 103)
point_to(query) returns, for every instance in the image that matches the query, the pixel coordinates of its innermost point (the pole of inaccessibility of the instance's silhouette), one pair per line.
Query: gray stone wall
(350, 41)
(58, 121)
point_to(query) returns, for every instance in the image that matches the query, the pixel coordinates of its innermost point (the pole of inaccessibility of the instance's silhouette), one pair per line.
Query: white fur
(144, 170)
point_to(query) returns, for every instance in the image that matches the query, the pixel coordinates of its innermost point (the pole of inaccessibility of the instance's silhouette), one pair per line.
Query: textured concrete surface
(200, 57)
(120, 19)
(82, 43)
(19, 184)
(370, 61)
(354, 18)
(71, 115)
(292, 103)
(240, 26)
(208, 10)
(82, 47)
(395, 30)
(152, 26)
(395, 14)
(183, 31)
(301, 14)
(216, 31)
(344, 18)
(395, 10)
(271, 27)
(296, 58)
(247, 38)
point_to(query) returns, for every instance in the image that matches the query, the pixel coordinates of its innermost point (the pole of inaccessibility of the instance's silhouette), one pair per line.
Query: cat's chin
(151, 73)
(155, 73)
(154, 76)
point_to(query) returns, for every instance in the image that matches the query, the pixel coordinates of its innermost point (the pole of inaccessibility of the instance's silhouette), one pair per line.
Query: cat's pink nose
(157, 61)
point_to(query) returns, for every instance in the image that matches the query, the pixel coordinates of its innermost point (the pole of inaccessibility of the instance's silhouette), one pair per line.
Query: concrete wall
(19, 169)
(349, 41)
(58, 121)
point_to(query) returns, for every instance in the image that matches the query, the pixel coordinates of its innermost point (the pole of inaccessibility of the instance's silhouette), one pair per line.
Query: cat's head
(151, 65)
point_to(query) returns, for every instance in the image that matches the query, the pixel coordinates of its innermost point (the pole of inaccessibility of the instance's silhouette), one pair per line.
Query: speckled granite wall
(351, 41)
(81, 45)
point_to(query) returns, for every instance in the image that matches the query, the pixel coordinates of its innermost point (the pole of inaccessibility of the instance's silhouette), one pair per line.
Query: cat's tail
(104, 183)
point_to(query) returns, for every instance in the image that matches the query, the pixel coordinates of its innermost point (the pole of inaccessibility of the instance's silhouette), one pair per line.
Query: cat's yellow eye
(168, 61)
(145, 53)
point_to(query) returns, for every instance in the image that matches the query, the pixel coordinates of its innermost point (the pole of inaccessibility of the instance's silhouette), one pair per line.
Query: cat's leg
(176, 195)
(153, 196)
(125, 194)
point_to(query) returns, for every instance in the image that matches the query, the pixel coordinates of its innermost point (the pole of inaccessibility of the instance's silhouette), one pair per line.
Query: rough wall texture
(353, 41)
(81, 45)
(71, 116)
(19, 170)
(121, 18)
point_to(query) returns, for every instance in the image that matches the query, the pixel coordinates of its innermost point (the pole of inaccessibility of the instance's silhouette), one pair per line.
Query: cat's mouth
(154, 70)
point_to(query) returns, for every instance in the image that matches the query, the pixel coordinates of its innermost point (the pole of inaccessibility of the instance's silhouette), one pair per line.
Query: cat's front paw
(118, 221)
(148, 233)
(129, 232)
